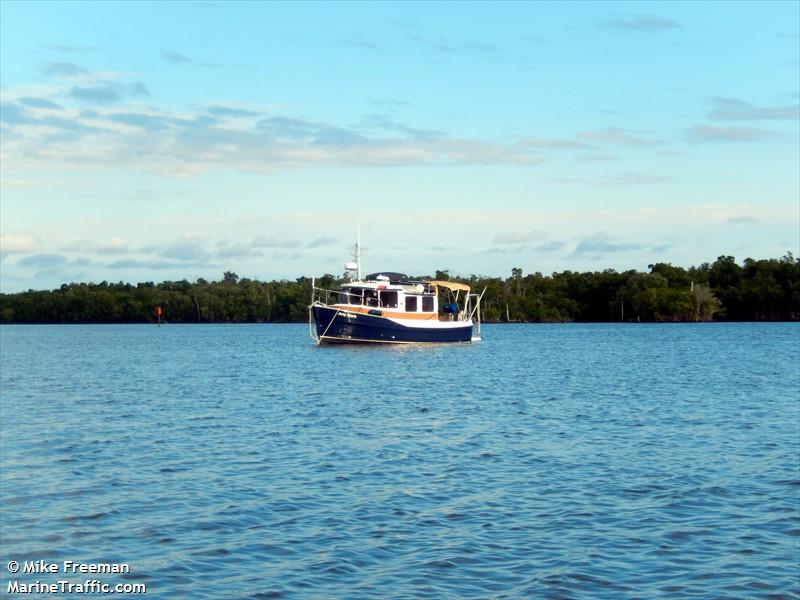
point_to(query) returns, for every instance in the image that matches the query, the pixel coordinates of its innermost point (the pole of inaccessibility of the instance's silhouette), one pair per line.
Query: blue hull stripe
(368, 328)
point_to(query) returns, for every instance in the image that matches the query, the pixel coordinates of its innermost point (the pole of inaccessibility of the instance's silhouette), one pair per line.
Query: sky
(166, 141)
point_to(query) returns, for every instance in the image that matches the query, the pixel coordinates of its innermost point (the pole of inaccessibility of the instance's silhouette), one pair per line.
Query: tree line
(756, 290)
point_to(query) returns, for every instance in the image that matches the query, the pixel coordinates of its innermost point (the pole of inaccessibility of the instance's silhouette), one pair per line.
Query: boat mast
(357, 255)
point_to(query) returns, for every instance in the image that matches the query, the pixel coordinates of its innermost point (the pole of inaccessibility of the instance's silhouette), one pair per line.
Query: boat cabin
(406, 298)
(395, 294)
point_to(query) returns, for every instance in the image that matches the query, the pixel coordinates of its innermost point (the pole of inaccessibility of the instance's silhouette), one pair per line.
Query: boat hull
(337, 326)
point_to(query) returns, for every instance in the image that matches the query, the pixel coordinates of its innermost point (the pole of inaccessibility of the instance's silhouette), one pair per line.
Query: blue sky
(155, 141)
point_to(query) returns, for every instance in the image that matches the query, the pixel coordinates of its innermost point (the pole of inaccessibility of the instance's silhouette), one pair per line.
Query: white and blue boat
(391, 308)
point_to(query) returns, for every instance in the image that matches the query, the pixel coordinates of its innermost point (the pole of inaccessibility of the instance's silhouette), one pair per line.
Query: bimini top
(392, 276)
(402, 278)
(451, 285)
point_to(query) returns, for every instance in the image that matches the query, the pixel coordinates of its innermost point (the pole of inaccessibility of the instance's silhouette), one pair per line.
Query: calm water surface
(560, 461)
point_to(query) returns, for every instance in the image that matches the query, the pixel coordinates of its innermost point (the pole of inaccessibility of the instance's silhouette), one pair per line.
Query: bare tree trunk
(197, 305)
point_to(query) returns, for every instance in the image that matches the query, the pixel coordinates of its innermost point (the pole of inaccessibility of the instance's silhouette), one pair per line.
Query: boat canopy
(390, 275)
(450, 285)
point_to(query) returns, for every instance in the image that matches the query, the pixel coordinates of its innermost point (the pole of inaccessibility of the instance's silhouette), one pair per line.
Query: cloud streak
(247, 139)
(71, 49)
(175, 58)
(108, 92)
(39, 103)
(468, 47)
(43, 261)
(601, 243)
(625, 178)
(615, 135)
(179, 59)
(322, 242)
(713, 133)
(731, 109)
(643, 24)
(743, 220)
(63, 69)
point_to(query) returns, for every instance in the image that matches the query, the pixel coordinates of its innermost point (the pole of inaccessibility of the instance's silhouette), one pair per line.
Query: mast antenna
(358, 254)
(354, 268)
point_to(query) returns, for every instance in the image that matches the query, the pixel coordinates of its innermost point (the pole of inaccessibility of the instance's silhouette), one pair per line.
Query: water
(561, 461)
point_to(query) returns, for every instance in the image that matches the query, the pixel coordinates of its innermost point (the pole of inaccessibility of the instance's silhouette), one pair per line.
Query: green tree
(639, 295)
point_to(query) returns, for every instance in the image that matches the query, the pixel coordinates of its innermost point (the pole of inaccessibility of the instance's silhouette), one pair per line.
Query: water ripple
(563, 461)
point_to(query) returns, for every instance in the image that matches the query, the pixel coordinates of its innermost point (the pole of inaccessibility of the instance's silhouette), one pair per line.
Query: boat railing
(323, 296)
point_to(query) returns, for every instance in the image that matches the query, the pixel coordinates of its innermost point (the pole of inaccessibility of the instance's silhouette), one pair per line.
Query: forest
(755, 290)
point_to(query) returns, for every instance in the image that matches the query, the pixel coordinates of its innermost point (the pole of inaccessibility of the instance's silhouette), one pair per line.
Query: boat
(387, 307)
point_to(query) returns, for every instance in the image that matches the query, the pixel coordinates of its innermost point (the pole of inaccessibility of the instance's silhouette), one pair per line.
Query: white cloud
(115, 245)
(118, 130)
(16, 243)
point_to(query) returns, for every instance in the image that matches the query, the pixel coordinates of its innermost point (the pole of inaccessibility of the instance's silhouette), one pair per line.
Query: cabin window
(370, 297)
(411, 304)
(344, 296)
(355, 296)
(389, 299)
(427, 304)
